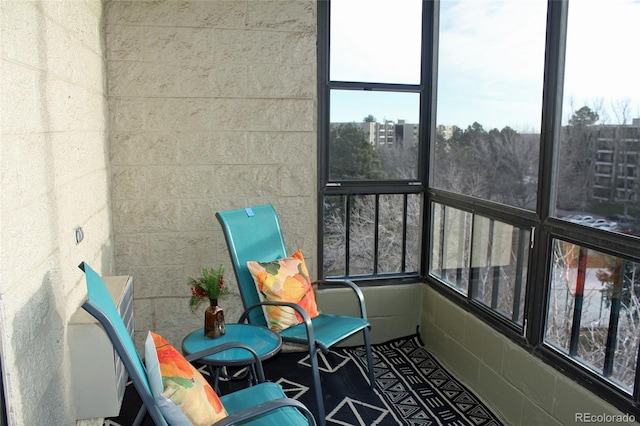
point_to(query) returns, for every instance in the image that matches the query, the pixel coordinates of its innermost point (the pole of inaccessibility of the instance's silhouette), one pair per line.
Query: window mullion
(403, 265)
(517, 293)
(551, 122)
(376, 234)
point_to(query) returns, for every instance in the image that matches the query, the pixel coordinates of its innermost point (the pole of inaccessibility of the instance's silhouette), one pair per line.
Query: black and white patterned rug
(412, 388)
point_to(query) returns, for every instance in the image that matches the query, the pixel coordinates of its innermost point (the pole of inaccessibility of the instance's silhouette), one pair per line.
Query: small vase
(214, 320)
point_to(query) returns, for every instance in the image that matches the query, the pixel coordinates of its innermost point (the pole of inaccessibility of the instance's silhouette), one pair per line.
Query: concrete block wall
(54, 175)
(392, 311)
(523, 389)
(212, 106)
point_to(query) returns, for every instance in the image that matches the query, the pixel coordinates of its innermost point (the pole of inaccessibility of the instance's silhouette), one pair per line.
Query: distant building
(617, 163)
(388, 134)
(407, 133)
(446, 131)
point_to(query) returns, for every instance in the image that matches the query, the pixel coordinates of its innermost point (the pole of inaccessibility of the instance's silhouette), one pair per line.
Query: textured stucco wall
(212, 106)
(54, 177)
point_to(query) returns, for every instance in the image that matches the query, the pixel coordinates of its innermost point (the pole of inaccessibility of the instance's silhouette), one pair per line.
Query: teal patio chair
(254, 234)
(261, 404)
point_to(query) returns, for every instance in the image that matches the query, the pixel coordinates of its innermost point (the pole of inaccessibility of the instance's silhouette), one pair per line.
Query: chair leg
(215, 374)
(140, 416)
(367, 344)
(317, 386)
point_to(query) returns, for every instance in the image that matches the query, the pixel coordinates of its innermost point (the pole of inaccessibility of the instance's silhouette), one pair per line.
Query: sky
(491, 58)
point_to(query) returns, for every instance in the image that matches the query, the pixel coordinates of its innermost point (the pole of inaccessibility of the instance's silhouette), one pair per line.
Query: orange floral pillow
(184, 396)
(284, 280)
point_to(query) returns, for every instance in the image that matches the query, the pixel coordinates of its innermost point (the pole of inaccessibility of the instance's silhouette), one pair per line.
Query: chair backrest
(252, 233)
(101, 306)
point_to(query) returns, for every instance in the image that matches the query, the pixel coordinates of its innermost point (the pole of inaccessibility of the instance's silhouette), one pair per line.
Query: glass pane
(414, 233)
(361, 234)
(593, 311)
(491, 255)
(599, 153)
(376, 41)
(491, 63)
(450, 246)
(383, 235)
(398, 233)
(374, 135)
(390, 231)
(499, 266)
(334, 235)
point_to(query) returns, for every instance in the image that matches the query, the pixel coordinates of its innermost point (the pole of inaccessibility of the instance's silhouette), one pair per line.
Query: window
(592, 306)
(362, 33)
(490, 74)
(360, 144)
(372, 174)
(484, 259)
(372, 235)
(598, 174)
(486, 147)
(500, 161)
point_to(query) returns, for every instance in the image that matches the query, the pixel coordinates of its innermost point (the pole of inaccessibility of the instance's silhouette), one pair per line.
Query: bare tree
(400, 162)
(361, 231)
(500, 165)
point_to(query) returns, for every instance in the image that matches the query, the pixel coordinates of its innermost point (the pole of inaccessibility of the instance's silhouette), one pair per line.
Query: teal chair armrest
(305, 316)
(298, 308)
(353, 286)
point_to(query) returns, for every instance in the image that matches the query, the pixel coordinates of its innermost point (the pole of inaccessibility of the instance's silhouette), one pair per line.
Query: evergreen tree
(351, 156)
(575, 170)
